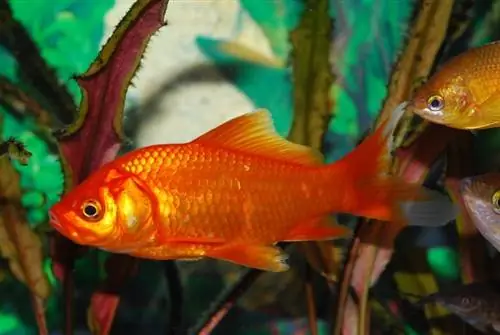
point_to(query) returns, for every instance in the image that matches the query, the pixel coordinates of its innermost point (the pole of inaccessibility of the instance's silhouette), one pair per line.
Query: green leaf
(345, 122)
(375, 93)
(276, 18)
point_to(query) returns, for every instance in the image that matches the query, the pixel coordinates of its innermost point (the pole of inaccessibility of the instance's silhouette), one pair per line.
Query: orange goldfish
(465, 92)
(230, 194)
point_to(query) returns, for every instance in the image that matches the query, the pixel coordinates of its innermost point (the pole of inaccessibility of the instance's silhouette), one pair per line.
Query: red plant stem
(345, 280)
(37, 304)
(311, 307)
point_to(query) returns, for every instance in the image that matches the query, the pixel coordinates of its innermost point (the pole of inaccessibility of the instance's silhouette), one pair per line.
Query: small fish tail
(368, 190)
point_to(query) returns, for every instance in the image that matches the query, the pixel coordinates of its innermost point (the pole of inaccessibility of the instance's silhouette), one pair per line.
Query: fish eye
(435, 103)
(495, 201)
(91, 209)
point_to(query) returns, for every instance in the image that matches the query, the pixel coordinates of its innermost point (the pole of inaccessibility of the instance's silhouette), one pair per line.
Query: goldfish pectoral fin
(267, 258)
(490, 109)
(318, 229)
(254, 133)
(435, 211)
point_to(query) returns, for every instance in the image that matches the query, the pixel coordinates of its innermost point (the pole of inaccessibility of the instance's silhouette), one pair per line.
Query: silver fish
(477, 304)
(481, 195)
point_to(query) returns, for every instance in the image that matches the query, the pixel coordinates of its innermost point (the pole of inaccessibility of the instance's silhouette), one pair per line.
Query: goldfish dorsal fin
(255, 133)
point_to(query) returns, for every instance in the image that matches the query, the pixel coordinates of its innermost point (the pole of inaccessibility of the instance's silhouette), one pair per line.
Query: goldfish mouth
(63, 223)
(65, 229)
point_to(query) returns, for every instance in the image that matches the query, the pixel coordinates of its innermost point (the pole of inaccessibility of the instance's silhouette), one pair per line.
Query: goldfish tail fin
(371, 192)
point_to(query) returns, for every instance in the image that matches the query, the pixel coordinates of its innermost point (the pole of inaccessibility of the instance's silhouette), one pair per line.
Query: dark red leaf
(105, 300)
(97, 135)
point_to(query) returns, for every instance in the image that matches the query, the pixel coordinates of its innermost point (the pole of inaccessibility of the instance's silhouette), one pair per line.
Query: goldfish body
(465, 92)
(481, 195)
(230, 194)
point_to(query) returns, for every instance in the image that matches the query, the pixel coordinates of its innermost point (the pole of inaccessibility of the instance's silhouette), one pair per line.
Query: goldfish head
(443, 103)
(110, 209)
(481, 196)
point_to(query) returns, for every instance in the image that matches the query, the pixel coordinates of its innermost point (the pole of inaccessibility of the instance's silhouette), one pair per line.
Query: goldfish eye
(495, 201)
(435, 103)
(91, 209)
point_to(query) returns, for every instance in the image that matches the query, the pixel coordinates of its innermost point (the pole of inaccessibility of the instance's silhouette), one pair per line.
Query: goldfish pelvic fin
(325, 228)
(261, 257)
(254, 133)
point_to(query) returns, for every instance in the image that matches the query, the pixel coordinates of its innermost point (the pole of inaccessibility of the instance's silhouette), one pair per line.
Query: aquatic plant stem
(425, 39)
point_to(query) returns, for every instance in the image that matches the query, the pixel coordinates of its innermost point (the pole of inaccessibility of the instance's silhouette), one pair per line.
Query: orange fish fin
(369, 190)
(254, 133)
(325, 228)
(177, 251)
(267, 258)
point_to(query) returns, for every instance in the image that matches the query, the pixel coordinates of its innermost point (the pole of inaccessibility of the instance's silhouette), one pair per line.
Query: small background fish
(465, 92)
(478, 304)
(481, 195)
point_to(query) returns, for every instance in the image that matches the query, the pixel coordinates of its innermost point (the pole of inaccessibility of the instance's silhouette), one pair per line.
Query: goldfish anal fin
(267, 258)
(255, 133)
(317, 229)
